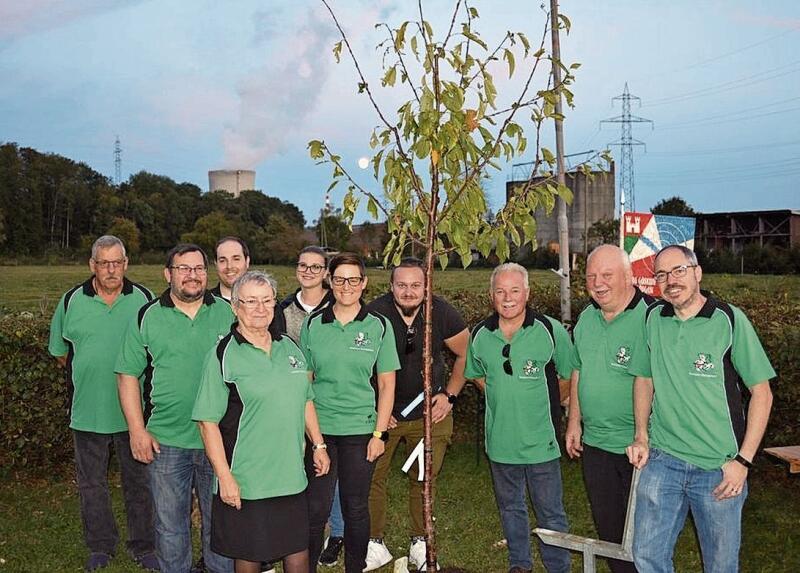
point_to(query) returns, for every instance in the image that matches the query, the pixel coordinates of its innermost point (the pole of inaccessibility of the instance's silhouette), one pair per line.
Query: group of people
(283, 415)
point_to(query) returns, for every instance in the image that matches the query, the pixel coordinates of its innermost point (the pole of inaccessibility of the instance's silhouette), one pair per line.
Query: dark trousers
(608, 482)
(92, 452)
(349, 465)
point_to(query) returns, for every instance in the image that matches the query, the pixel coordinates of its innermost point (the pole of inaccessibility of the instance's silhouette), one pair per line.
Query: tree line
(54, 207)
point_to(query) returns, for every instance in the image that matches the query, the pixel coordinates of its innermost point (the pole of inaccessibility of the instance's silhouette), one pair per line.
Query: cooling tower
(234, 181)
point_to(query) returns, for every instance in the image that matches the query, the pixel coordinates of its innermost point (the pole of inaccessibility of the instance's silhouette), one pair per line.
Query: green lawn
(38, 288)
(40, 525)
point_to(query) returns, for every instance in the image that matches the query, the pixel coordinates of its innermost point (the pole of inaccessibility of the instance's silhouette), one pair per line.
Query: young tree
(673, 206)
(431, 156)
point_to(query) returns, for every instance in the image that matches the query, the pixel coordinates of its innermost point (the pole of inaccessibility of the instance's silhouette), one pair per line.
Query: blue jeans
(544, 486)
(336, 520)
(173, 472)
(668, 489)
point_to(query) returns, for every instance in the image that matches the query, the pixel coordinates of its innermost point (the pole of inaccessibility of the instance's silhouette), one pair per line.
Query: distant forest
(52, 207)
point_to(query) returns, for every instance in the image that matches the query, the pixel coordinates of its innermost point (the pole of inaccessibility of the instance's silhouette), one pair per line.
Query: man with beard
(403, 307)
(696, 446)
(85, 334)
(608, 333)
(167, 344)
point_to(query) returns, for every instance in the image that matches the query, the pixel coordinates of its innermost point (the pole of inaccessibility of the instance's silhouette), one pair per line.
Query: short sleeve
(387, 361)
(212, 396)
(563, 349)
(575, 357)
(132, 357)
(748, 355)
(640, 358)
(474, 367)
(57, 345)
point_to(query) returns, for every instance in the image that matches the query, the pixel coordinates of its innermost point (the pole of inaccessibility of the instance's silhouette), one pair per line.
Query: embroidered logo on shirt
(623, 355)
(530, 368)
(362, 342)
(703, 366)
(295, 363)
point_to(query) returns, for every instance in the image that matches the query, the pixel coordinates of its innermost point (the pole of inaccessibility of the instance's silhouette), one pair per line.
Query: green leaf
(337, 51)
(443, 261)
(524, 39)
(390, 77)
(414, 47)
(428, 30)
(400, 37)
(473, 12)
(509, 57)
(474, 37)
(315, 149)
(548, 156)
(565, 22)
(372, 207)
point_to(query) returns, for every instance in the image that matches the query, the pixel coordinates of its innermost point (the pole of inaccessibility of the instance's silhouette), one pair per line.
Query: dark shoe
(97, 561)
(199, 567)
(268, 567)
(147, 561)
(518, 569)
(330, 555)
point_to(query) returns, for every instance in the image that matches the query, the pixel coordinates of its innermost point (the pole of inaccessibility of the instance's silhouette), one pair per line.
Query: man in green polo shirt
(517, 356)
(699, 445)
(167, 343)
(608, 332)
(85, 334)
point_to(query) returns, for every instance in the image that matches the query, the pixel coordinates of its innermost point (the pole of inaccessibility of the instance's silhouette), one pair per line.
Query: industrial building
(593, 201)
(734, 230)
(234, 181)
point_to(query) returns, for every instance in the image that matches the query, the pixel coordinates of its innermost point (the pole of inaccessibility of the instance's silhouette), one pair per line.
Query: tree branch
(358, 187)
(453, 23)
(402, 63)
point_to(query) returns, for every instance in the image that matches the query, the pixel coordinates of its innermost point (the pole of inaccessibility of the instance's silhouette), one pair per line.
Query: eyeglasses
(314, 269)
(677, 272)
(108, 264)
(186, 269)
(507, 364)
(254, 303)
(411, 335)
(405, 286)
(352, 281)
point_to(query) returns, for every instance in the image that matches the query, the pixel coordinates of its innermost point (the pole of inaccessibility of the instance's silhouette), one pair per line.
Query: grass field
(40, 525)
(38, 288)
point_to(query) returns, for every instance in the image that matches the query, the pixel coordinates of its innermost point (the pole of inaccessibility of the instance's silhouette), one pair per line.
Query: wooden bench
(789, 454)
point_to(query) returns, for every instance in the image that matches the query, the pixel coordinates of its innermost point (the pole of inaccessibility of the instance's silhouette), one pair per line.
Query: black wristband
(744, 462)
(452, 398)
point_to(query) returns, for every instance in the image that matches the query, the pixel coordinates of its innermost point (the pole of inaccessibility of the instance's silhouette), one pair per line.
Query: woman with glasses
(253, 406)
(344, 344)
(312, 294)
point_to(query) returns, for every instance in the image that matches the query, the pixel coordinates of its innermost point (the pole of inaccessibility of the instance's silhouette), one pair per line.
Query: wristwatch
(382, 435)
(319, 446)
(739, 458)
(452, 398)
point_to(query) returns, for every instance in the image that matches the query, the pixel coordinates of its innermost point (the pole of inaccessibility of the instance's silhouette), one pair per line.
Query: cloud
(24, 17)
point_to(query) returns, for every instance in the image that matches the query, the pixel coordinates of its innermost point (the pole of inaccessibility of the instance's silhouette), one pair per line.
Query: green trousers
(411, 433)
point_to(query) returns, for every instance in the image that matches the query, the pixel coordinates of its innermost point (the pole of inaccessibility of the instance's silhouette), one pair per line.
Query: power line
(703, 123)
(734, 113)
(706, 181)
(722, 150)
(678, 172)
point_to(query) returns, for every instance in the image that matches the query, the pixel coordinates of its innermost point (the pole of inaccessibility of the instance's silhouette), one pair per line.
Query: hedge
(34, 395)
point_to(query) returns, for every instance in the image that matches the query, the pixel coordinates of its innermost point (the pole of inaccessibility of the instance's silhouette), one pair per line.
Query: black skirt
(263, 530)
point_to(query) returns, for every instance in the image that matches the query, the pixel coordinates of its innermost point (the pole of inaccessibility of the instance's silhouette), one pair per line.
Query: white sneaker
(377, 555)
(416, 556)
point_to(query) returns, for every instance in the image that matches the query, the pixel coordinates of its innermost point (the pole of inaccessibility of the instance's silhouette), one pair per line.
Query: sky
(193, 85)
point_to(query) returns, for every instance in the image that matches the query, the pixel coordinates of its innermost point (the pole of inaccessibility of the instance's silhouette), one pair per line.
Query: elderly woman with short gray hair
(253, 407)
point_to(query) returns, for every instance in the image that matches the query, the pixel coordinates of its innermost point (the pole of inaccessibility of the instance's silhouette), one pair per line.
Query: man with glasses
(167, 343)
(517, 356)
(694, 444)
(608, 333)
(85, 334)
(403, 307)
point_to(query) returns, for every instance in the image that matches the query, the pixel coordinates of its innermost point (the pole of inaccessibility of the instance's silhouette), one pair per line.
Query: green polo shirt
(698, 367)
(343, 359)
(169, 348)
(90, 332)
(522, 409)
(603, 351)
(259, 402)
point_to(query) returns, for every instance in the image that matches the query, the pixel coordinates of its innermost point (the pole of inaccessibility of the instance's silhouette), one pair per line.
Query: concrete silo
(234, 181)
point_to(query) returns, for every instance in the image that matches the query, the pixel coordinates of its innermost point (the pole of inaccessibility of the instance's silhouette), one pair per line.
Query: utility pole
(563, 223)
(626, 143)
(117, 162)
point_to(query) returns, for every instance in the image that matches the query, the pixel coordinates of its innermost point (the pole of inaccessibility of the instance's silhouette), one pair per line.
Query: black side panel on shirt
(733, 383)
(229, 424)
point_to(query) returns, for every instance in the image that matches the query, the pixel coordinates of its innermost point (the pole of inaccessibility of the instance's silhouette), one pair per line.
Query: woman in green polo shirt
(253, 405)
(344, 344)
